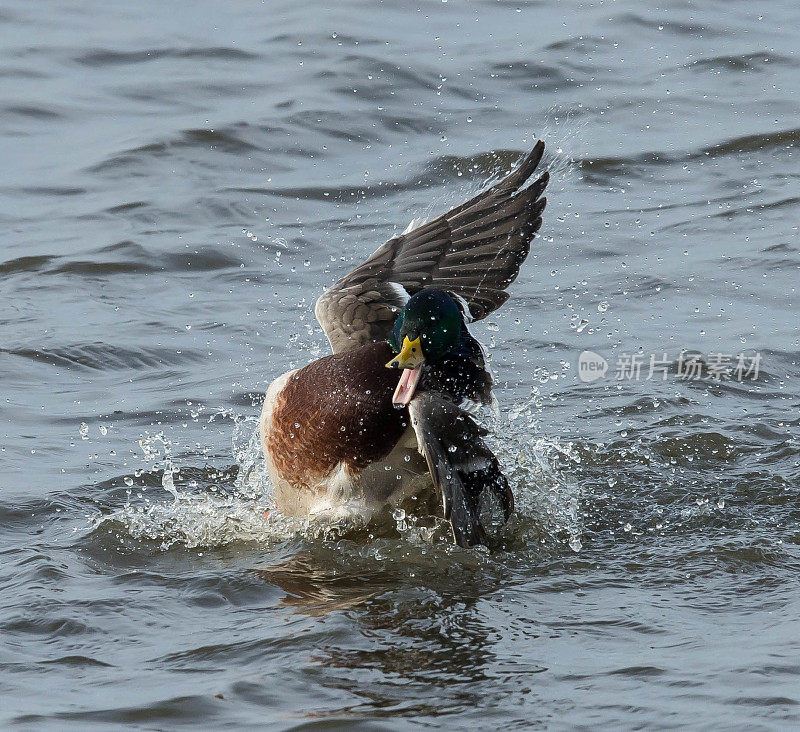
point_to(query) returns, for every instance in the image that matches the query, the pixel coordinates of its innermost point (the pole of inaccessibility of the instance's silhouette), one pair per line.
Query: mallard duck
(387, 416)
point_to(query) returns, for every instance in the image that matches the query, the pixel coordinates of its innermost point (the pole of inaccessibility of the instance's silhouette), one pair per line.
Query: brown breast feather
(337, 409)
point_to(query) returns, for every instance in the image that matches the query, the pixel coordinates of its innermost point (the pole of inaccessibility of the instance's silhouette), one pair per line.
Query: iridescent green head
(431, 323)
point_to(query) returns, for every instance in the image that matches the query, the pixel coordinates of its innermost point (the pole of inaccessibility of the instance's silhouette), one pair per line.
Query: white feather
(464, 306)
(400, 292)
(414, 224)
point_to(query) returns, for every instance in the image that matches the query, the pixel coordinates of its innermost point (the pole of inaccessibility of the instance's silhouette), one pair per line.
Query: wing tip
(541, 183)
(538, 150)
(525, 169)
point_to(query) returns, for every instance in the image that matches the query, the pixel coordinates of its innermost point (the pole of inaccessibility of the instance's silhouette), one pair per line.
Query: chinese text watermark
(687, 366)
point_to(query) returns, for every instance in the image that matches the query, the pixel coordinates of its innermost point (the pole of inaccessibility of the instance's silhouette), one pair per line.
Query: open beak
(410, 359)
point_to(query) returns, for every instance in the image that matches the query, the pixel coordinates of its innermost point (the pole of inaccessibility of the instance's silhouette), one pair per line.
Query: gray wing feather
(474, 251)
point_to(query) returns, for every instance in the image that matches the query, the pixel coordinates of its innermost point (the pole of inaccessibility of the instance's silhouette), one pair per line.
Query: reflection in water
(420, 617)
(316, 589)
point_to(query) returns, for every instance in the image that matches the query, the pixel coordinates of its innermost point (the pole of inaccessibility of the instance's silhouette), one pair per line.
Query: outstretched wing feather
(474, 250)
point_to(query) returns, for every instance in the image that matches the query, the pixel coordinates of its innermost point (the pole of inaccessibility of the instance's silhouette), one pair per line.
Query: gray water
(180, 181)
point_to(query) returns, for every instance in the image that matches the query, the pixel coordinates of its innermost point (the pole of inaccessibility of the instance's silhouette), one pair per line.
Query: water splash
(251, 479)
(547, 500)
(210, 507)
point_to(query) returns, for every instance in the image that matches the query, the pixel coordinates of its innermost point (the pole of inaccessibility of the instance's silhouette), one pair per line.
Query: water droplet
(602, 307)
(399, 514)
(84, 431)
(168, 482)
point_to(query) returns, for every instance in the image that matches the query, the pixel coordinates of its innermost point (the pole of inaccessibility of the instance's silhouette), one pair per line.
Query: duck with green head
(348, 437)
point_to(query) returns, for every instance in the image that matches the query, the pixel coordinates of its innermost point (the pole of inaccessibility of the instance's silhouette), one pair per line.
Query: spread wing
(473, 251)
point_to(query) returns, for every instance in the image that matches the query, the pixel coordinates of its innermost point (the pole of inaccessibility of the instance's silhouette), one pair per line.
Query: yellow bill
(410, 359)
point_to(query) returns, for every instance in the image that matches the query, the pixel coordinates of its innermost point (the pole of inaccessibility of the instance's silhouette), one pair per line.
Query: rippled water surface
(181, 181)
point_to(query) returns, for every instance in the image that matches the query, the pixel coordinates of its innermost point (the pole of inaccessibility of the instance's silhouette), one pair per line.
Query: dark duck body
(385, 418)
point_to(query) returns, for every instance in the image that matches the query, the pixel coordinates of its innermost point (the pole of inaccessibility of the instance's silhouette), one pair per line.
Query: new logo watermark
(688, 366)
(591, 367)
